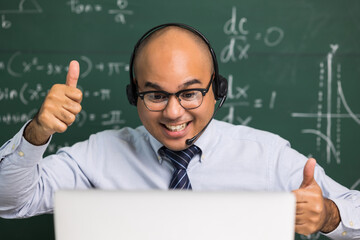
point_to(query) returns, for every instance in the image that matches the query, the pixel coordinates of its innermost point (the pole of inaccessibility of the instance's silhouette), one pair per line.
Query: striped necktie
(180, 160)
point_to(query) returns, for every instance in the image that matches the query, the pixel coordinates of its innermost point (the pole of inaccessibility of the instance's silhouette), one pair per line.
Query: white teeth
(176, 127)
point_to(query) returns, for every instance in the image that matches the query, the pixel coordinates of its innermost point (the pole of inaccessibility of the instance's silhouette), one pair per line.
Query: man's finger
(308, 173)
(73, 74)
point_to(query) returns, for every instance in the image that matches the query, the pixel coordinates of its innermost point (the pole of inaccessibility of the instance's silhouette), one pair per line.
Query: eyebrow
(184, 85)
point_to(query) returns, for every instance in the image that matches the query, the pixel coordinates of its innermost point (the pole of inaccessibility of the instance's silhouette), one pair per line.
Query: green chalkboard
(293, 68)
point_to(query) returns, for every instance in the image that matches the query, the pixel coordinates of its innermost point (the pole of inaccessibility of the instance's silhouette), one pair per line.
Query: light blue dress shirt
(233, 157)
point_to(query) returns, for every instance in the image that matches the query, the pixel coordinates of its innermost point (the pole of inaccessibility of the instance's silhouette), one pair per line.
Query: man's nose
(173, 108)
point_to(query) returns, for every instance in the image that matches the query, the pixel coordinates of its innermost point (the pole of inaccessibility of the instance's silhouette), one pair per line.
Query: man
(174, 79)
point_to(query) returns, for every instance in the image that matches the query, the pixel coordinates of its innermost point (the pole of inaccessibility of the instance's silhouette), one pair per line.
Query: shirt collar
(156, 145)
(207, 141)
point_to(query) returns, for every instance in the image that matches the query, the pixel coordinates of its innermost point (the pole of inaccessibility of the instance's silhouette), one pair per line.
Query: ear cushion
(221, 88)
(131, 94)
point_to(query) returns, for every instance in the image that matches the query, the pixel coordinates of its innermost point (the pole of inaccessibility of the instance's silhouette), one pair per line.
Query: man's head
(174, 59)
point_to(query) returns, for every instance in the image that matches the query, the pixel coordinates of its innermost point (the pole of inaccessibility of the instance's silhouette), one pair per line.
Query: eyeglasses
(156, 101)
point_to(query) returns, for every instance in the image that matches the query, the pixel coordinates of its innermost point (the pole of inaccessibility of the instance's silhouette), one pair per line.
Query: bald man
(174, 77)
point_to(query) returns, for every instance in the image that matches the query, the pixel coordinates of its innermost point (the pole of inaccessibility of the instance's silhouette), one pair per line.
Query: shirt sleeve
(28, 181)
(348, 203)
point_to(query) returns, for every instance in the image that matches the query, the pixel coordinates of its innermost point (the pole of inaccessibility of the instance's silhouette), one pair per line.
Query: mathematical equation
(328, 115)
(120, 10)
(238, 96)
(23, 7)
(239, 38)
(27, 93)
(236, 50)
(20, 64)
(112, 119)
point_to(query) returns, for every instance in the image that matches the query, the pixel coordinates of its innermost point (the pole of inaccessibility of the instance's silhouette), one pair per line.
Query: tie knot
(181, 159)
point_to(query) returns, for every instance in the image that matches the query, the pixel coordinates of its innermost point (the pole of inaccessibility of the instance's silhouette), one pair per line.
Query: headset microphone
(190, 141)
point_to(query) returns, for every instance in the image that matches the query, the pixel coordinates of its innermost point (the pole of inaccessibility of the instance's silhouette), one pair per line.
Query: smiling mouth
(176, 128)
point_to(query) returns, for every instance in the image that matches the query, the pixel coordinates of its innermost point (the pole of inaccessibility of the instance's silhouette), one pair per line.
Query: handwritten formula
(119, 10)
(19, 65)
(240, 38)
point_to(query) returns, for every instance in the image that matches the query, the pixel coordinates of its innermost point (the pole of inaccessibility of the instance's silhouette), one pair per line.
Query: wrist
(332, 216)
(34, 135)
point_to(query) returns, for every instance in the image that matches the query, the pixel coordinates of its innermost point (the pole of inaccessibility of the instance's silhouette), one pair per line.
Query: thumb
(73, 74)
(308, 173)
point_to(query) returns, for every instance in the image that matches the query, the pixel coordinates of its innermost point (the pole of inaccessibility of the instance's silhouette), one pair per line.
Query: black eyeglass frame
(203, 91)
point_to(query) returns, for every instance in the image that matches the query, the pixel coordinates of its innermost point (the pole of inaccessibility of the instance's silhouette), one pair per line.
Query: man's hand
(313, 212)
(58, 110)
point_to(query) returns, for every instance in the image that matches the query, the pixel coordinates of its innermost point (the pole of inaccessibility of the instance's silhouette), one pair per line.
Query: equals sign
(258, 103)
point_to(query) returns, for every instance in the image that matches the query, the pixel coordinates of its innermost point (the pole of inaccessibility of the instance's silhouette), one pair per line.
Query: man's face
(172, 63)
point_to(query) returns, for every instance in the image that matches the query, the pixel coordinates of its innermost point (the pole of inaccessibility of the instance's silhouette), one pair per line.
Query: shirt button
(13, 147)
(344, 233)
(21, 154)
(351, 223)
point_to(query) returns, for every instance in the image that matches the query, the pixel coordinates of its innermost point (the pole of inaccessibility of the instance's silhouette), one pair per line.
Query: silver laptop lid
(173, 215)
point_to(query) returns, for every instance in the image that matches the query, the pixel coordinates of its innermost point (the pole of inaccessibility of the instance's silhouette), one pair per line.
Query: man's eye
(156, 97)
(189, 96)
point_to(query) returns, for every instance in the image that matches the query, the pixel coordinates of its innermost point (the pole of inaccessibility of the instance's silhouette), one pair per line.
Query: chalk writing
(238, 96)
(18, 65)
(356, 185)
(79, 8)
(110, 119)
(16, 118)
(325, 133)
(239, 38)
(28, 93)
(23, 7)
(120, 12)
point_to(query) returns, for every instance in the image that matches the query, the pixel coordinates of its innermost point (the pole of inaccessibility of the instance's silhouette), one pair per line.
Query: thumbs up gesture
(58, 110)
(313, 211)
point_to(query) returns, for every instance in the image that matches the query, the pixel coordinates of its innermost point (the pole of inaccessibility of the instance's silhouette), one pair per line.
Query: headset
(220, 84)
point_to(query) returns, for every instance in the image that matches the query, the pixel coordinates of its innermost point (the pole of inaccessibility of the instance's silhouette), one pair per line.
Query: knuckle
(79, 94)
(51, 96)
(78, 108)
(71, 118)
(318, 208)
(66, 117)
(46, 105)
(313, 220)
(61, 128)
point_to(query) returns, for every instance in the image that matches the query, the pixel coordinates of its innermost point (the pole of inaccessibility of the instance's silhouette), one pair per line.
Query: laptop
(173, 215)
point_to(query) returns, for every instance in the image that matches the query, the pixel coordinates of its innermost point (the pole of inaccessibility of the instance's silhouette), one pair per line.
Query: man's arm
(25, 188)
(313, 211)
